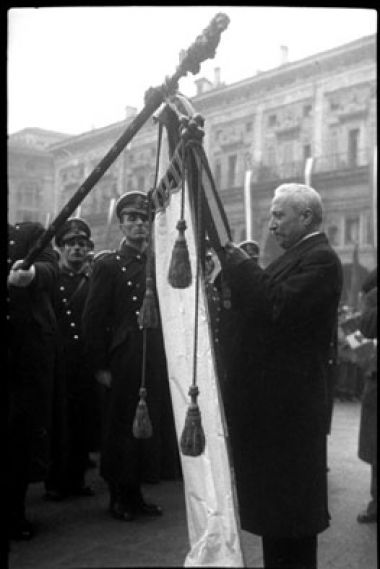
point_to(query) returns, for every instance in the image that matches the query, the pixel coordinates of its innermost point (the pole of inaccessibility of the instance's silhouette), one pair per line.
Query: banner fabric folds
(212, 517)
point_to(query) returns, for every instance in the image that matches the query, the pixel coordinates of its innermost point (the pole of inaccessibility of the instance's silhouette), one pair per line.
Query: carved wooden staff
(203, 48)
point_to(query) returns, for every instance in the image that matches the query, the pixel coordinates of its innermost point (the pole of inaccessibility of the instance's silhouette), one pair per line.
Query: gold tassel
(142, 427)
(193, 439)
(180, 269)
(148, 316)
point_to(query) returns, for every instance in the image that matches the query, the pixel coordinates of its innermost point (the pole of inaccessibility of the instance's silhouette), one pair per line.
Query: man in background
(368, 420)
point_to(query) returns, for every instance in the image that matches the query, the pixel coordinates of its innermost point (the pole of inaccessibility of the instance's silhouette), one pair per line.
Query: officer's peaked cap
(73, 227)
(132, 202)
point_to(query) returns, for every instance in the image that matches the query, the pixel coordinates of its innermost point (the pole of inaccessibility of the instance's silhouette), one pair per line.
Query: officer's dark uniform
(31, 352)
(76, 417)
(115, 342)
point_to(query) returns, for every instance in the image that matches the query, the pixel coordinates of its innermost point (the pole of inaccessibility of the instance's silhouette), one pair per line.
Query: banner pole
(247, 205)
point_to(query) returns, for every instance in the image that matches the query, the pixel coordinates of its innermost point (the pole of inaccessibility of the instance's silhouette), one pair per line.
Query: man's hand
(104, 377)
(233, 255)
(19, 277)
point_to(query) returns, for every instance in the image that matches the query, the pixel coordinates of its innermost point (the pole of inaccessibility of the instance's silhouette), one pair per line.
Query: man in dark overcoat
(114, 343)
(77, 409)
(367, 450)
(278, 390)
(31, 353)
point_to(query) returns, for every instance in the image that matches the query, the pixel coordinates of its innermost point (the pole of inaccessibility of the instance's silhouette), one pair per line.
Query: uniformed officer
(114, 344)
(77, 411)
(31, 353)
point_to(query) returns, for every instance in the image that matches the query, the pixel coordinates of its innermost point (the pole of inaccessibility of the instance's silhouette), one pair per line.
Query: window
(272, 120)
(232, 160)
(218, 174)
(248, 126)
(351, 230)
(368, 226)
(333, 235)
(307, 151)
(353, 144)
(307, 110)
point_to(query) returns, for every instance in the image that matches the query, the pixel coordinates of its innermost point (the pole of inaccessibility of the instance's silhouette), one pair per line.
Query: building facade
(319, 111)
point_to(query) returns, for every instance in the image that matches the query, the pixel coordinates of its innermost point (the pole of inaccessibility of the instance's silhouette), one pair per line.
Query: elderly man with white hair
(279, 392)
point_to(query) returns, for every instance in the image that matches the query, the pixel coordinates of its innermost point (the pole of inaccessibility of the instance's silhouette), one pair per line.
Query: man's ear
(308, 215)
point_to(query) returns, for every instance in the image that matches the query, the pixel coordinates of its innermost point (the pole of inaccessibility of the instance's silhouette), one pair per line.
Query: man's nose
(272, 224)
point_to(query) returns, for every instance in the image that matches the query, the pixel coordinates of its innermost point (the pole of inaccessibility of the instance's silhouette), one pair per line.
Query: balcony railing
(321, 164)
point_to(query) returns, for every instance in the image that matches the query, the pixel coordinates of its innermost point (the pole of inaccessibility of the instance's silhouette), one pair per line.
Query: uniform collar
(128, 251)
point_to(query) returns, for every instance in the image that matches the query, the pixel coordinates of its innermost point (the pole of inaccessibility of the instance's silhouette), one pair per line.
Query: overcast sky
(74, 69)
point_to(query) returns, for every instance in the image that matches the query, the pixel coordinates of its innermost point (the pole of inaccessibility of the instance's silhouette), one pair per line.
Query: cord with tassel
(193, 440)
(147, 319)
(179, 275)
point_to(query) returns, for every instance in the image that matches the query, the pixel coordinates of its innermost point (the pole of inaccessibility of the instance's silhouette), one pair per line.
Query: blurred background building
(313, 119)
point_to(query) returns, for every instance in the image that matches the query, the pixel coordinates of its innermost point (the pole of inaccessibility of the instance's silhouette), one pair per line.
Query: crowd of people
(77, 351)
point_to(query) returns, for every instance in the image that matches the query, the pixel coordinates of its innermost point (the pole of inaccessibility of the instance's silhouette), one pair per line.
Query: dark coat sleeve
(283, 301)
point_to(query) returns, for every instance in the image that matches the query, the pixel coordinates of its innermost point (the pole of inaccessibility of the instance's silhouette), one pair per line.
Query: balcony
(322, 164)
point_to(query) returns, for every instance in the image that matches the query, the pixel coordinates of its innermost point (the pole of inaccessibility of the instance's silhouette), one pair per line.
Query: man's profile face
(134, 227)
(286, 223)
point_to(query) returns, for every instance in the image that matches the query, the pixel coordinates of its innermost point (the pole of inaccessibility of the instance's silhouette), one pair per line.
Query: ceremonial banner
(213, 523)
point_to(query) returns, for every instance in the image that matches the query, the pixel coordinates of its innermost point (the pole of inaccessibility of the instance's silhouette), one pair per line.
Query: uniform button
(8, 317)
(118, 257)
(72, 324)
(64, 300)
(123, 269)
(68, 312)
(61, 288)
(216, 340)
(12, 242)
(76, 337)
(331, 362)
(129, 283)
(134, 298)
(17, 227)
(138, 257)
(137, 312)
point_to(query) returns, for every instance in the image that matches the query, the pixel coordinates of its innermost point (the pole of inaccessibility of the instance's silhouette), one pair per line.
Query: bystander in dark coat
(31, 353)
(368, 421)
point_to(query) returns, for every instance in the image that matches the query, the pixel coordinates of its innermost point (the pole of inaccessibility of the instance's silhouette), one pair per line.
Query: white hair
(303, 197)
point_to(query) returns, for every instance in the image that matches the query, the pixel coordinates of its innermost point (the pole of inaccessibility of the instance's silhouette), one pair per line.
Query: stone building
(319, 111)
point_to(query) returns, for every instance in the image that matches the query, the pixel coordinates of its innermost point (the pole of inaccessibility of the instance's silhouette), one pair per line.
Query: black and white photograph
(191, 287)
